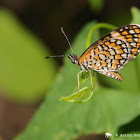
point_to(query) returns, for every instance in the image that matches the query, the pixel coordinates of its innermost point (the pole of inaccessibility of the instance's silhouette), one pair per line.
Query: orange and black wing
(113, 51)
(129, 34)
(110, 55)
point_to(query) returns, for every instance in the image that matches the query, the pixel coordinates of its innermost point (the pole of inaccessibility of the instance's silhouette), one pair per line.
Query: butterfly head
(74, 58)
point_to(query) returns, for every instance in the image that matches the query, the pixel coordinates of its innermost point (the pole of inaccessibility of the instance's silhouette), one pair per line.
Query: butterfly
(109, 54)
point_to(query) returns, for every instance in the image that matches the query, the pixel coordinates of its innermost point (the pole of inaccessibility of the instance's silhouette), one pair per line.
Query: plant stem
(95, 27)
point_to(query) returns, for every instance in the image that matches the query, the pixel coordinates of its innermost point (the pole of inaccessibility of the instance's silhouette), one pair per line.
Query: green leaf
(135, 15)
(105, 112)
(86, 91)
(136, 19)
(64, 121)
(130, 72)
(77, 96)
(132, 128)
(24, 72)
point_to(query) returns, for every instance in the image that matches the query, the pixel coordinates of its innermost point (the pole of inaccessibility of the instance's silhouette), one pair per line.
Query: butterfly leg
(91, 78)
(78, 79)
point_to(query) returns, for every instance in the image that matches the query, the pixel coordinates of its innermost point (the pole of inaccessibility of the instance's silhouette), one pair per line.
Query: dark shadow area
(93, 137)
(133, 126)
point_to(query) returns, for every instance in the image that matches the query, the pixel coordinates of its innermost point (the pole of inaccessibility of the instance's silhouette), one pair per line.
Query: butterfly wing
(129, 34)
(113, 51)
(110, 55)
(114, 75)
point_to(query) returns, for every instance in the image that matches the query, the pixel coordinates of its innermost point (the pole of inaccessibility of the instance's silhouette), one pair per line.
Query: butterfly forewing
(131, 35)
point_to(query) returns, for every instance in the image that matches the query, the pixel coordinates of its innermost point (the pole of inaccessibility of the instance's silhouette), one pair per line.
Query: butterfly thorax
(75, 60)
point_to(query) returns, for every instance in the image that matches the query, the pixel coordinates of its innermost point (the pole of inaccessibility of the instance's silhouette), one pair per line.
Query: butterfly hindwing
(114, 75)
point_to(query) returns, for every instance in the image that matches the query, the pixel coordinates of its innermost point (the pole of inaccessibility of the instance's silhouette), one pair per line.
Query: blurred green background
(30, 31)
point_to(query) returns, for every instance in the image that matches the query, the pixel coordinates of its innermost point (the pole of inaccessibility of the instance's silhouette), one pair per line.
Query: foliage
(110, 108)
(84, 94)
(24, 72)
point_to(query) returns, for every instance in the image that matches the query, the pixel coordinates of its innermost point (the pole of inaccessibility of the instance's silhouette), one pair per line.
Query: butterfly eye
(73, 60)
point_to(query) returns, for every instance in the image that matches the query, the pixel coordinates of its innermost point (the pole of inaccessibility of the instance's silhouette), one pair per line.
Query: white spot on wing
(112, 52)
(125, 50)
(112, 40)
(136, 39)
(102, 56)
(124, 55)
(133, 44)
(111, 57)
(123, 45)
(119, 42)
(108, 60)
(115, 34)
(131, 32)
(100, 48)
(122, 61)
(135, 35)
(109, 65)
(98, 64)
(126, 27)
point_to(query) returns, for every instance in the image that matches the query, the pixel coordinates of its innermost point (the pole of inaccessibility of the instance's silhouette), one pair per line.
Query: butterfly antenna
(55, 56)
(62, 30)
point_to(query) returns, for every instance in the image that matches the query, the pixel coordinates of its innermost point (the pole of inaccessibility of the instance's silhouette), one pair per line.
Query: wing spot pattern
(112, 52)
